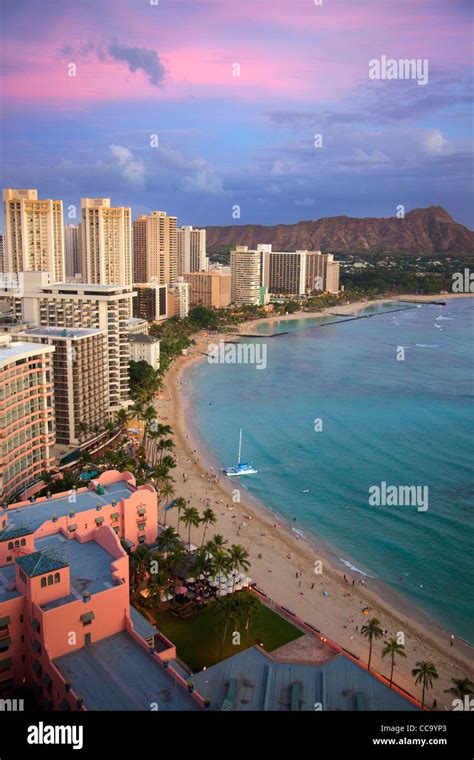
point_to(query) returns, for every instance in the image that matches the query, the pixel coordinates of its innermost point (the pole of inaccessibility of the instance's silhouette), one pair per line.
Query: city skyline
(226, 112)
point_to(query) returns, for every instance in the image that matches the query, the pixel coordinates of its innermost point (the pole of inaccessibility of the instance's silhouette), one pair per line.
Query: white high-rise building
(245, 276)
(106, 243)
(191, 250)
(37, 302)
(34, 233)
(71, 240)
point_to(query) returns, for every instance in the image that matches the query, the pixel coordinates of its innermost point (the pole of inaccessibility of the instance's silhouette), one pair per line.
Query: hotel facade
(67, 629)
(26, 414)
(34, 233)
(81, 379)
(191, 250)
(106, 243)
(34, 300)
(211, 289)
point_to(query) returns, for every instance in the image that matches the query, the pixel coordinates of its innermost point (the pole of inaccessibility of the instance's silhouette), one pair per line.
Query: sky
(239, 111)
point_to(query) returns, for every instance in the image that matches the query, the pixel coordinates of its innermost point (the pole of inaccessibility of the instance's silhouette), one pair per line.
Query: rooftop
(89, 566)
(141, 625)
(142, 338)
(34, 515)
(116, 673)
(63, 332)
(18, 350)
(41, 562)
(253, 680)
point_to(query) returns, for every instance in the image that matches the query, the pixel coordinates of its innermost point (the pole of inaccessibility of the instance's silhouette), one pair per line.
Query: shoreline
(277, 553)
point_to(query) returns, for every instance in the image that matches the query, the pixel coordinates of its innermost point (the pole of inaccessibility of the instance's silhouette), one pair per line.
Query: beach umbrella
(181, 590)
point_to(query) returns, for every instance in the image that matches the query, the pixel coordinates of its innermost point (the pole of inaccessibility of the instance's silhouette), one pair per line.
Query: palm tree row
(425, 672)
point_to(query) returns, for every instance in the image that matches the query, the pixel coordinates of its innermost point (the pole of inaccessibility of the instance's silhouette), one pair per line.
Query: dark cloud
(139, 59)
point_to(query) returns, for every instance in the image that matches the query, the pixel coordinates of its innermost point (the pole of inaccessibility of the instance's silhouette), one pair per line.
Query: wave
(352, 567)
(449, 319)
(298, 532)
(427, 345)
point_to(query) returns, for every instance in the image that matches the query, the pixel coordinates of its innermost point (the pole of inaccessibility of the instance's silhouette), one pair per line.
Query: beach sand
(277, 554)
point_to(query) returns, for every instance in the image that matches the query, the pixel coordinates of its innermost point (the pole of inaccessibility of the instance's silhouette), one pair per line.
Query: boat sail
(241, 468)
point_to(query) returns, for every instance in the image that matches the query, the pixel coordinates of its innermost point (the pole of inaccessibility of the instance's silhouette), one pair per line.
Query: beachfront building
(178, 299)
(26, 414)
(40, 303)
(72, 249)
(284, 272)
(106, 243)
(210, 289)
(151, 301)
(297, 678)
(245, 276)
(81, 379)
(322, 272)
(67, 629)
(191, 247)
(145, 348)
(34, 233)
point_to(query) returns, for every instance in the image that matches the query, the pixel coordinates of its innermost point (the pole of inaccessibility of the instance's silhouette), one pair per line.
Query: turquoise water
(403, 422)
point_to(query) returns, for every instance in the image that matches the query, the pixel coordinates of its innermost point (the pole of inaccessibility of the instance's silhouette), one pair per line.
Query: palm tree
(250, 606)
(208, 518)
(167, 491)
(220, 563)
(192, 520)
(226, 610)
(371, 630)
(147, 416)
(463, 687)
(238, 560)
(180, 504)
(167, 540)
(392, 647)
(176, 559)
(202, 565)
(424, 673)
(160, 584)
(217, 542)
(139, 565)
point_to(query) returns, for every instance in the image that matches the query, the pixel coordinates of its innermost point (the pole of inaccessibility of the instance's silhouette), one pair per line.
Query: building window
(50, 580)
(57, 577)
(43, 582)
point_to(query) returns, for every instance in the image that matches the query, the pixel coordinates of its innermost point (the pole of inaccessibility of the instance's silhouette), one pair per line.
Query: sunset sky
(167, 69)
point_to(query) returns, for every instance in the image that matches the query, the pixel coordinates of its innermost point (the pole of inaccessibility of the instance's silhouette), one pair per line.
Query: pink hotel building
(67, 629)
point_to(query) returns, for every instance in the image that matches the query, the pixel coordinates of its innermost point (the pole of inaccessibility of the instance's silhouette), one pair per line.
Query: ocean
(346, 407)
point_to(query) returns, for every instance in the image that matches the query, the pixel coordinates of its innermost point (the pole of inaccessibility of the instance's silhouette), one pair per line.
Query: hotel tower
(34, 234)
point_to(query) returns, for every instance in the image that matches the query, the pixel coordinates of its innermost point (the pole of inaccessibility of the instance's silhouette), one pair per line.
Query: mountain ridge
(422, 231)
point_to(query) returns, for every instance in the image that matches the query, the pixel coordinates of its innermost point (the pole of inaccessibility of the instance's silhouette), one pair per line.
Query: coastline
(277, 553)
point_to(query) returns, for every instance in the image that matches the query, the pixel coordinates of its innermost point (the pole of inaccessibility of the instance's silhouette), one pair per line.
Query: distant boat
(241, 468)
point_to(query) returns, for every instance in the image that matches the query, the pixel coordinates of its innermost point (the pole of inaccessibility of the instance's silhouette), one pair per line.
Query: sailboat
(241, 468)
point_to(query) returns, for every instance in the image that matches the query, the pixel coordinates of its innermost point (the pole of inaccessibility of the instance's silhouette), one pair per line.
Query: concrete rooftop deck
(89, 566)
(117, 674)
(265, 684)
(35, 515)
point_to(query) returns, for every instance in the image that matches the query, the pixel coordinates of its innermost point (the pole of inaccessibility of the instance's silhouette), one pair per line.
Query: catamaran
(241, 468)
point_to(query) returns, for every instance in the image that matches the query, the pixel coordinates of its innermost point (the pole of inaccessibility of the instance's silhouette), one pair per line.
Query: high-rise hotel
(34, 233)
(155, 253)
(191, 250)
(26, 413)
(106, 243)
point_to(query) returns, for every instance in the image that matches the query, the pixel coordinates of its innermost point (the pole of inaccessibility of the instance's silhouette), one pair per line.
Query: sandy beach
(283, 564)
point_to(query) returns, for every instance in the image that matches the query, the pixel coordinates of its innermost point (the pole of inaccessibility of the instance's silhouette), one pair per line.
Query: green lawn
(198, 639)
